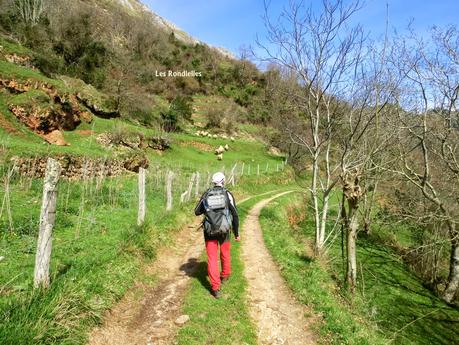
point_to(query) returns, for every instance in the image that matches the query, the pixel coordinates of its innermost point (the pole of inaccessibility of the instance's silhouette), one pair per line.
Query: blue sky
(235, 23)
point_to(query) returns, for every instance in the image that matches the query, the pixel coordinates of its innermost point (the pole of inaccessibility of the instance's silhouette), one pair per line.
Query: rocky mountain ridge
(164, 24)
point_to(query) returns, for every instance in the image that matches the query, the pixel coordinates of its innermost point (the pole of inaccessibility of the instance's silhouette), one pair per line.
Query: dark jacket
(200, 209)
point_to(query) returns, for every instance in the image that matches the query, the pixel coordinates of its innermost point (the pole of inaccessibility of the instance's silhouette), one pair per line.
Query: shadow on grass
(409, 313)
(306, 259)
(197, 270)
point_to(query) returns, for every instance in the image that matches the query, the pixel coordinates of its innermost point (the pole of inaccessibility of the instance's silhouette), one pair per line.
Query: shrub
(214, 118)
(169, 121)
(179, 109)
(181, 106)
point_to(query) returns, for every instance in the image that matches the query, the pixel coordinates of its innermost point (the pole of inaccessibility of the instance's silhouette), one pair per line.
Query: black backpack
(217, 221)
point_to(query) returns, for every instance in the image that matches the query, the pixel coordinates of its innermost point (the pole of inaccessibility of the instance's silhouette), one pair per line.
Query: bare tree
(322, 53)
(429, 152)
(362, 144)
(30, 11)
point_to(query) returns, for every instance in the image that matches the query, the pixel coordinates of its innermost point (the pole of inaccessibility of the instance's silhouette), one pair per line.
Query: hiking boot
(216, 293)
(224, 279)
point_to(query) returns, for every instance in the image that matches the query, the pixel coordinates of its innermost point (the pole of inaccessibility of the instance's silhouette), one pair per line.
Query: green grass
(10, 47)
(97, 253)
(391, 305)
(309, 281)
(223, 321)
(97, 250)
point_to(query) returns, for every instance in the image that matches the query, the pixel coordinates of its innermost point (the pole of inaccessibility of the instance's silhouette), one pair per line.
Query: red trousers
(213, 269)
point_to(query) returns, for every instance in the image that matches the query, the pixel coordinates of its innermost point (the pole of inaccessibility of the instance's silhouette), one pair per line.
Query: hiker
(220, 216)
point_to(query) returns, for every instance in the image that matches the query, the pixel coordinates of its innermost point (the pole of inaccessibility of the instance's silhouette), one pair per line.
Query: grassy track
(223, 321)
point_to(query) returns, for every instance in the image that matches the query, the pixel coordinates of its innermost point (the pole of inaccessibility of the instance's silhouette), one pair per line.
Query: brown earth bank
(47, 110)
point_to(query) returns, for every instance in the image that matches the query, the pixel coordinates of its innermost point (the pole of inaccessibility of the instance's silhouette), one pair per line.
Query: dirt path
(146, 315)
(150, 318)
(280, 319)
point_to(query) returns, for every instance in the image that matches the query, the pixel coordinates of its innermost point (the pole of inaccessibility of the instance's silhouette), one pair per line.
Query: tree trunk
(315, 205)
(351, 247)
(47, 218)
(353, 193)
(323, 220)
(453, 278)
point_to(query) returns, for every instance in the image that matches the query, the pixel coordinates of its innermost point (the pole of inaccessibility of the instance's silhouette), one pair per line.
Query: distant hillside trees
(30, 11)
(120, 53)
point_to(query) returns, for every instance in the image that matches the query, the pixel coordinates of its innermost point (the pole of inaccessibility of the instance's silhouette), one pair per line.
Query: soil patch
(196, 144)
(84, 132)
(150, 318)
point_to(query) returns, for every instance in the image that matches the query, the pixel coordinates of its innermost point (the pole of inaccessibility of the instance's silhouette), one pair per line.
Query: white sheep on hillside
(220, 156)
(219, 150)
(232, 138)
(226, 147)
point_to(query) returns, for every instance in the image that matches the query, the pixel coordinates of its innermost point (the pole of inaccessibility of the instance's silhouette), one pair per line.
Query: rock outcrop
(133, 141)
(47, 108)
(41, 107)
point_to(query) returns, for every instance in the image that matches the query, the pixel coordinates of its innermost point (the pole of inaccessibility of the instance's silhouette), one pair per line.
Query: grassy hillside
(119, 49)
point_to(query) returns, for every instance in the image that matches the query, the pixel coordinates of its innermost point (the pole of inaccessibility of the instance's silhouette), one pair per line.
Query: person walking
(220, 216)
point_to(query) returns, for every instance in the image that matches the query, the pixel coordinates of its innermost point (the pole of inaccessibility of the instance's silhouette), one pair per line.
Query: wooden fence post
(183, 197)
(208, 180)
(258, 169)
(170, 176)
(141, 213)
(6, 199)
(47, 218)
(190, 187)
(232, 177)
(198, 179)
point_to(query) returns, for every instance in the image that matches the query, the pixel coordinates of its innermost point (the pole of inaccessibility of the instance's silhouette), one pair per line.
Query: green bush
(214, 118)
(169, 121)
(179, 109)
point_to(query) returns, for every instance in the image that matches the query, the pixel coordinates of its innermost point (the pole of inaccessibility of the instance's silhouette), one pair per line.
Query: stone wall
(76, 168)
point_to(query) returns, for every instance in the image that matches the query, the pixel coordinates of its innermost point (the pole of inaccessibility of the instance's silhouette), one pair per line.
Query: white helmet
(218, 178)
